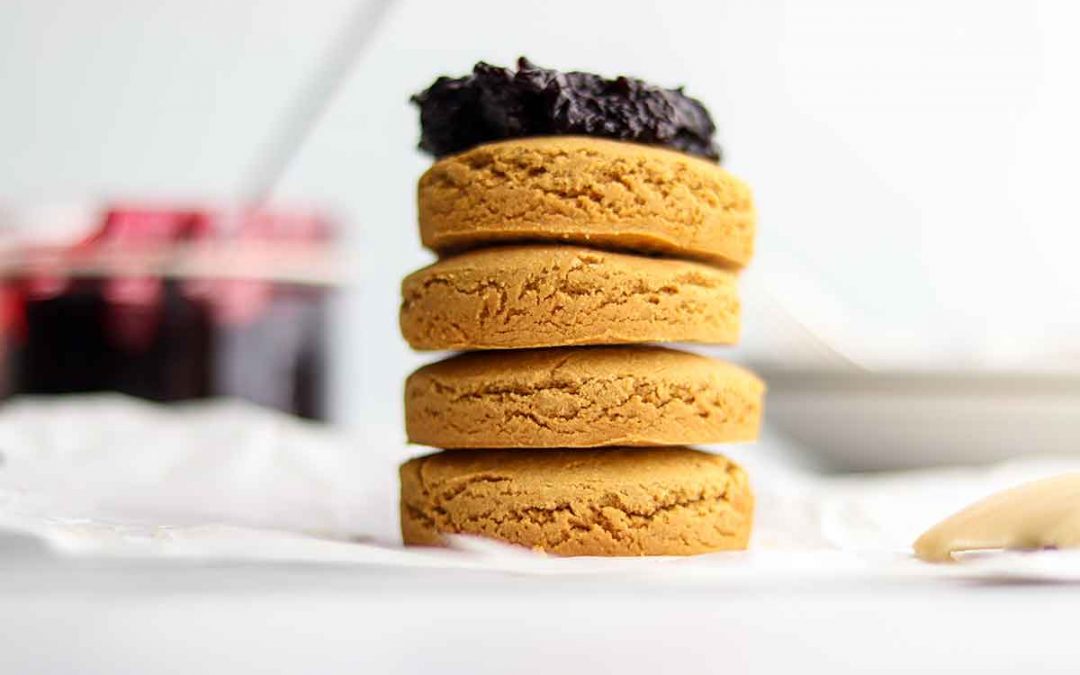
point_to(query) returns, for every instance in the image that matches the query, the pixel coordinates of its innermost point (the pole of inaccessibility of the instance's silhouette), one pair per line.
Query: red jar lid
(289, 245)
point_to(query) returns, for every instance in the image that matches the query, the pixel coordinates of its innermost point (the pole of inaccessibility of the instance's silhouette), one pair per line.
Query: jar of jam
(169, 304)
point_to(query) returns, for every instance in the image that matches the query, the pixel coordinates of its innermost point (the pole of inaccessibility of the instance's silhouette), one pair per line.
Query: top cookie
(590, 191)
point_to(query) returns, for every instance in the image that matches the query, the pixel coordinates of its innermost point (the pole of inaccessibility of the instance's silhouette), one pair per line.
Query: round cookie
(581, 397)
(573, 189)
(610, 501)
(550, 295)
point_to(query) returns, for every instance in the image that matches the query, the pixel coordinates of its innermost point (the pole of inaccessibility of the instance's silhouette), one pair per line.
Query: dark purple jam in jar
(173, 305)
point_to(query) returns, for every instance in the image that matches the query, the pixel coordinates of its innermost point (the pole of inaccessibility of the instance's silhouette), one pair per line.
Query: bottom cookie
(604, 502)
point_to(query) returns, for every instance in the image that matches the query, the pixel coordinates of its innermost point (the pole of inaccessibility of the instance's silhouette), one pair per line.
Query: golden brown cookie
(581, 397)
(608, 194)
(550, 296)
(610, 501)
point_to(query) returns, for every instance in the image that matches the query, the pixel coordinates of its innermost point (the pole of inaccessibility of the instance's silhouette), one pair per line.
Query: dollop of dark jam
(496, 103)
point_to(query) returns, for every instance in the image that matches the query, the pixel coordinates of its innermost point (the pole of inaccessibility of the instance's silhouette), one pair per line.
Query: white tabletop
(68, 616)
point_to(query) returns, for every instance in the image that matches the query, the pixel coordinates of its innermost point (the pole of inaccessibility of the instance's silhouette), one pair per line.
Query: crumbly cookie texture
(550, 295)
(611, 501)
(581, 397)
(603, 193)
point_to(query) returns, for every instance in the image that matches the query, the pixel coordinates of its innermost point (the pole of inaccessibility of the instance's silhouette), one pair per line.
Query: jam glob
(496, 103)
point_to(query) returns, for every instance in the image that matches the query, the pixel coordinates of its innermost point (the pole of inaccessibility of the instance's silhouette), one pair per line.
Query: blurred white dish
(866, 421)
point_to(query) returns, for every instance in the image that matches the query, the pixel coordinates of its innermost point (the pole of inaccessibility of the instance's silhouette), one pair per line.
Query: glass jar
(169, 304)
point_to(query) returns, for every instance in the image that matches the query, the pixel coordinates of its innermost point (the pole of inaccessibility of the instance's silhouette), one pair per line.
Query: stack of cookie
(571, 240)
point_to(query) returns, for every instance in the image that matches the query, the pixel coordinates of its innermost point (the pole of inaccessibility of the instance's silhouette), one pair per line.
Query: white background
(914, 163)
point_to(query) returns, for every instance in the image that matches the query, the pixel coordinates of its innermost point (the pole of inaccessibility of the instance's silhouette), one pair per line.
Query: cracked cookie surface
(610, 501)
(549, 295)
(581, 397)
(603, 193)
